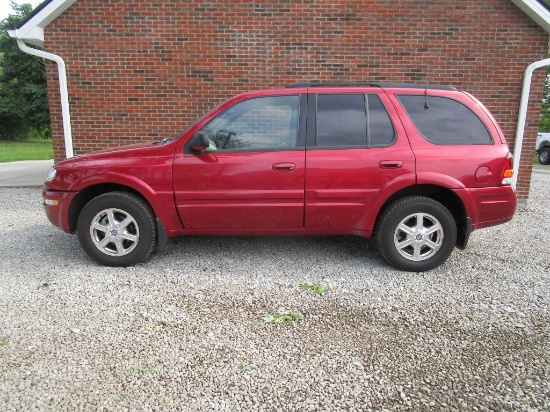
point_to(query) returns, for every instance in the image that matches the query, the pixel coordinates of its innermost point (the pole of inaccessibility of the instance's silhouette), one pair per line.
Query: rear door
(252, 175)
(356, 155)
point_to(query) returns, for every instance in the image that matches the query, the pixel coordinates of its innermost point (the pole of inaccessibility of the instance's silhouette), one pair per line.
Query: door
(355, 155)
(252, 175)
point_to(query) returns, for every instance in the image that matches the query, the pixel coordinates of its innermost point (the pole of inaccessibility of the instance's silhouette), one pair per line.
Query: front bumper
(56, 205)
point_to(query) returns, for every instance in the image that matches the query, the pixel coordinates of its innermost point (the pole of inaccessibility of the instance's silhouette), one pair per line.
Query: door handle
(391, 164)
(283, 167)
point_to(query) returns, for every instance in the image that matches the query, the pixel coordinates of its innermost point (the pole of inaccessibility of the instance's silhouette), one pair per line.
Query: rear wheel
(416, 234)
(544, 156)
(117, 229)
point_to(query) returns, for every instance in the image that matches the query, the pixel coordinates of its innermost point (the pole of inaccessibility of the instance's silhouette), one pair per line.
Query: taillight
(507, 171)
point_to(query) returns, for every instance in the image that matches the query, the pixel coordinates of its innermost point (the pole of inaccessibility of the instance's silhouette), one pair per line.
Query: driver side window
(264, 123)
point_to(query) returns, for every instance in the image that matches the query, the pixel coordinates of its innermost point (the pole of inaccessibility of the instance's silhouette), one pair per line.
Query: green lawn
(39, 149)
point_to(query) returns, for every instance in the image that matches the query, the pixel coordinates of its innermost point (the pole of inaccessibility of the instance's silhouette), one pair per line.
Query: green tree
(23, 93)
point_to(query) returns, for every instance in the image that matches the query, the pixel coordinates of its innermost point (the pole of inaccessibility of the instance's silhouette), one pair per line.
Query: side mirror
(199, 142)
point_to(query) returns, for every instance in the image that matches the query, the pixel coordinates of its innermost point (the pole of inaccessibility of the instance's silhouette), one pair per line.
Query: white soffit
(33, 30)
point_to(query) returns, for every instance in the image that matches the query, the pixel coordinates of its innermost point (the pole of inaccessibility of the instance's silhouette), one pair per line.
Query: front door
(252, 175)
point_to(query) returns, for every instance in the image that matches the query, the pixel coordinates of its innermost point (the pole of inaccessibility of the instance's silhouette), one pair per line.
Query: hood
(113, 154)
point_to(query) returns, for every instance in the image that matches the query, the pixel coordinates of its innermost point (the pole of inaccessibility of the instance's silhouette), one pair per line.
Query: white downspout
(63, 92)
(524, 102)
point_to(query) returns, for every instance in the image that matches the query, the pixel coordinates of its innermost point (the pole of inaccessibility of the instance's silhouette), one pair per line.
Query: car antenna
(426, 105)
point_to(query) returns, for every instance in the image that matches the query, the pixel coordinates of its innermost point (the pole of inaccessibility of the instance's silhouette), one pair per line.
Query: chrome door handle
(391, 164)
(283, 167)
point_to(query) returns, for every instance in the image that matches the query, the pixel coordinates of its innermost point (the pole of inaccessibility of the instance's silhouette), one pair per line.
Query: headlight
(51, 174)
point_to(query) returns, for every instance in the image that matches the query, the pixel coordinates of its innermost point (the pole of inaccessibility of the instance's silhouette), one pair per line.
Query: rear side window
(341, 120)
(445, 121)
(347, 120)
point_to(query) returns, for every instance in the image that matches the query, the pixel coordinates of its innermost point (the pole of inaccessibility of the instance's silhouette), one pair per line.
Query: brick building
(141, 70)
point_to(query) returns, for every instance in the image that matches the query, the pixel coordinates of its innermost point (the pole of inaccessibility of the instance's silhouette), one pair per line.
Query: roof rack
(382, 85)
(331, 84)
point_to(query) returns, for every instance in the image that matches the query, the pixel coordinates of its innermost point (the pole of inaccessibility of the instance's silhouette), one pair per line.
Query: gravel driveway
(184, 331)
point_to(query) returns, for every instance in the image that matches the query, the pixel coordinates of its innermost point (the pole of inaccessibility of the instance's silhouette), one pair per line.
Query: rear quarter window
(445, 121)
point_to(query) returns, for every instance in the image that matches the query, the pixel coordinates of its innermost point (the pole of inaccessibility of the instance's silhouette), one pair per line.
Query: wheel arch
(440, 194)
(92, 191)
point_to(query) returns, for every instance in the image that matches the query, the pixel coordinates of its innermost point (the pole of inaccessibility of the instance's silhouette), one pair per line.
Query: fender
(404, 182)
(438, 179)
(448, 182)
(159, 201)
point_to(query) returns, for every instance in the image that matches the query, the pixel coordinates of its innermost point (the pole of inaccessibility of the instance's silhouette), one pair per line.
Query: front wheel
(117, 229)
(544, 156)
(416, 234)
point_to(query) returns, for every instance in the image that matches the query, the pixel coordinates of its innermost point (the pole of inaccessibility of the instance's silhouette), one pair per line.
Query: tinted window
(381, 132)
(445, 121)
(341, 120)
(262, 123)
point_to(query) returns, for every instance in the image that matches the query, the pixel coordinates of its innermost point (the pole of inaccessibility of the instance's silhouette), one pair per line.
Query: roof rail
(331, 84)
(383, 85)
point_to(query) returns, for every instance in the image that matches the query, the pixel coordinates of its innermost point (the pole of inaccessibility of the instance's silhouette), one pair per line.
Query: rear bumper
(489, 206)
(56, 205)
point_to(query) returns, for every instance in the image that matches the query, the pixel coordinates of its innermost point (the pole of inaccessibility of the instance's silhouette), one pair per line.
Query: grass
(35, 149)
(243, 367)
(283, 316)
(316, 287)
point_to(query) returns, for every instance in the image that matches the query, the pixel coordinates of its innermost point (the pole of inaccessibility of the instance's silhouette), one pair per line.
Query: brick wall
(141, 70)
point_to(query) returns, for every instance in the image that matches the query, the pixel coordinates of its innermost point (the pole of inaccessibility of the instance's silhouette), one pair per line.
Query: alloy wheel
(418, 237)
(114, 232)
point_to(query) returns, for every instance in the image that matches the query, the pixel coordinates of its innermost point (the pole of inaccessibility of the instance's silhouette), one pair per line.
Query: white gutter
(63, 90)
(524, 102)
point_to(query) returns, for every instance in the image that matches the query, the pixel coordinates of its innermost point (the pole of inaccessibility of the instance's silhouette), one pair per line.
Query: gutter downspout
(63, 92)
(524, 102)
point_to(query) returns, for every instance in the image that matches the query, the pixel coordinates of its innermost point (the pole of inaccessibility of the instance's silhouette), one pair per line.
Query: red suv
(419, 167)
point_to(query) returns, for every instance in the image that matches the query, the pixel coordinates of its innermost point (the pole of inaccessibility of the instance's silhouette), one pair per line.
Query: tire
(117, 229)
(544, 156)
(416, 234)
